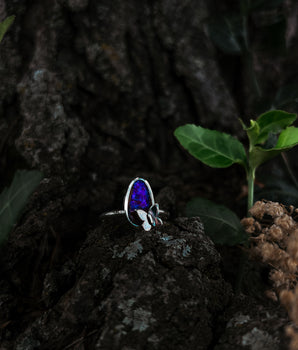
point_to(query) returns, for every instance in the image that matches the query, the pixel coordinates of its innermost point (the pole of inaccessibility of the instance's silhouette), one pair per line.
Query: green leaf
(227, 33)
(260, 155)
(5, 25)
(213, 148)
(288, 138)
(252, 131)
(14, 198)
(273, 122)
(221, 224)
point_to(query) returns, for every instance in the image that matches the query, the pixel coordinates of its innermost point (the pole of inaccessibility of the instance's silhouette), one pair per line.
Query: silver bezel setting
(126, 198)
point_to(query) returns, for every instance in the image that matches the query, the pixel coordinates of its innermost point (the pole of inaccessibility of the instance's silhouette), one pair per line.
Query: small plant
(269, 135)
(5, 25)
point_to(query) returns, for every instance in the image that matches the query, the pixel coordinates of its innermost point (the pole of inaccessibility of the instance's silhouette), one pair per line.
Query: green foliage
(223, 225)
(220, 150)
(287, 139)
(270, 122)
(5, 25)
(14, 198)
(211, 147)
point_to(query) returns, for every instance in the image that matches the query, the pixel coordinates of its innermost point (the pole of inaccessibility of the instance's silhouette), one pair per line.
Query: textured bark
(123, 74)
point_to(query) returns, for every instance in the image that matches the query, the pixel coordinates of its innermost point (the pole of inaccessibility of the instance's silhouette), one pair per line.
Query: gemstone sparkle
(139, 198)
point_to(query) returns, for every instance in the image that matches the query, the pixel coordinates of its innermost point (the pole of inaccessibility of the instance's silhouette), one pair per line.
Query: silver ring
(139, 205)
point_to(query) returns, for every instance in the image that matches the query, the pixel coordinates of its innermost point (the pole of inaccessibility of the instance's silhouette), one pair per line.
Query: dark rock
(160, 289)
(255, 326)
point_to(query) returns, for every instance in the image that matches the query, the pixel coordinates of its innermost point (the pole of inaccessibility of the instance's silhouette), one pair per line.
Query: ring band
(139, 205)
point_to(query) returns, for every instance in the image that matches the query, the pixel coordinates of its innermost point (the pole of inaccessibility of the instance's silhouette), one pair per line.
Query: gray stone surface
(160, 289)
(253, 325)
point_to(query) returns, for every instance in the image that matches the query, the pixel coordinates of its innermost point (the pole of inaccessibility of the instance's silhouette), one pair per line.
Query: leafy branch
(221, 150)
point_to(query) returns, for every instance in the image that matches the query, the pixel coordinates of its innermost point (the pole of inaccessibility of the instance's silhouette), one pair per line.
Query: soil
(90, 95)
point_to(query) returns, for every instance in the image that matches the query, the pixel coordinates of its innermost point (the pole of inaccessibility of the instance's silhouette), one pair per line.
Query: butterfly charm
(150, 218)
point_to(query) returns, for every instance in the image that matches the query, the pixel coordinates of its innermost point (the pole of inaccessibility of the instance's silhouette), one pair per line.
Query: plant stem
(250, 183)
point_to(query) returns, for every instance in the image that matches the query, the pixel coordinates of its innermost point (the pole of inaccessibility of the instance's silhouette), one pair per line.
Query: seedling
(269, 135)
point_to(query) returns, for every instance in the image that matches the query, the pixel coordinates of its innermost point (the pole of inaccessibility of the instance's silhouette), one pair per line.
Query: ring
(139, 205)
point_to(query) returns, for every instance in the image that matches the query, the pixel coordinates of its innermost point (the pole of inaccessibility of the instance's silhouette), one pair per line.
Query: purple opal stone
(139, 198)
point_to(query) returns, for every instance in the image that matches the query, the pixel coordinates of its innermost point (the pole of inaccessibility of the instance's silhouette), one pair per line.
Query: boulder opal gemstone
(139, 196)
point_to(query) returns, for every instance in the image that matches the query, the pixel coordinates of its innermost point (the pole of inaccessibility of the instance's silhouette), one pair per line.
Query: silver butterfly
(150, 218)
